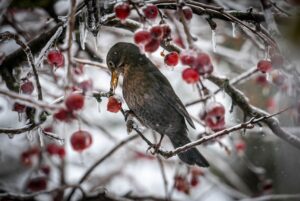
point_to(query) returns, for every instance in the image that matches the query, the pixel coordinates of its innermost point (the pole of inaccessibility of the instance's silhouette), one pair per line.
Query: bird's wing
(163, 86)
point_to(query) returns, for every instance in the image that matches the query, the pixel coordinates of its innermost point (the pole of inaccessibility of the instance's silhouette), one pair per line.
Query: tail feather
(191, 156)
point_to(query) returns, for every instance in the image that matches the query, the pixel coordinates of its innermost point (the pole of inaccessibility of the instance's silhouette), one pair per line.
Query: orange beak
(114, 81)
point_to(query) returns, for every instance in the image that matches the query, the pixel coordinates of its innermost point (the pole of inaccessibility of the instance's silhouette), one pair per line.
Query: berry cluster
(149, 39)
(199, 65)
(122, 11)
(28, 155)
(214, 116)
(185, 183)
(73, 103)
(56, 150)
(56, 59)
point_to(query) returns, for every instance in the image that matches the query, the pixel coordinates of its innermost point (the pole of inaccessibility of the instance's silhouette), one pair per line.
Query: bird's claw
(128, 114)
(155, 149)
(129, 125)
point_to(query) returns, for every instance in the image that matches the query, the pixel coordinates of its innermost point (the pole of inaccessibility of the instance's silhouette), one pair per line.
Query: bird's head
(119, 57)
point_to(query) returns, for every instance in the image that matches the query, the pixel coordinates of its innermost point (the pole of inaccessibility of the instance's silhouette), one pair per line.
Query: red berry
(150, 11)
(157, 32)
(64, 115)
(37, 184)
(81, 140)
(48, 129)
(27, 87)
(26, 159)
(74, 102)
(203, 64)
(190, 75)
(196, 171)
(142, 36)
(264, 66)
(86, 85)
(45, 169)
(240, 146)
(122, 10)
(194, 181)
(171, 59)
(181, 184)
(188, 57)
(271, 105)
(52, 149)
(214, 116)
(187, 12)
(78, 70)
(56, 58)
(33, 151)
(178, 41)
(152, 46)
(26, 155)
(215, 108)
(267, 185)
(166, 30)
(61, 152)
(114, 104)
(203, 59)
(19, 107)
(262, 80)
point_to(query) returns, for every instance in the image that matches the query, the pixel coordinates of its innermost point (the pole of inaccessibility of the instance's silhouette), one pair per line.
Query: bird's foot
(155, 148)
(128, 114)
(129, 121)
(129, 125)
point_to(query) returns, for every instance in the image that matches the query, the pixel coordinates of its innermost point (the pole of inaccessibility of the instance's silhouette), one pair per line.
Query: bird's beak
(114, 81)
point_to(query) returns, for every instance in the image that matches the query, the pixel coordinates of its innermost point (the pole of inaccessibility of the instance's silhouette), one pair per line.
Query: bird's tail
(191, 156)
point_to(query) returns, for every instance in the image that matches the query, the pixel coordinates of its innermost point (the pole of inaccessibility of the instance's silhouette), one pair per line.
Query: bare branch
(249, 110)
(16, 131)
(70, 32)
(274, 197)
(32, 195)
(27, 100)
(234, 81)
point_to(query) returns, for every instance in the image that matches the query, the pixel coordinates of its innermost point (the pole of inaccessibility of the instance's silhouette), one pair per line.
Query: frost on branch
(232, 64)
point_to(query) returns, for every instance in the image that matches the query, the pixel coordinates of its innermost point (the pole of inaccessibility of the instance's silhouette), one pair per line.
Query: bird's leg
(157, 146)
(129, 120)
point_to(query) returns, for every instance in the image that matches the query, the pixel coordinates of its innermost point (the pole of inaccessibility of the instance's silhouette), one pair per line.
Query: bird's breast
(135, 92)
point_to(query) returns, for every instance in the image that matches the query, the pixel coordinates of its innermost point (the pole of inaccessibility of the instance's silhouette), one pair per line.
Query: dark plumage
(151, 98)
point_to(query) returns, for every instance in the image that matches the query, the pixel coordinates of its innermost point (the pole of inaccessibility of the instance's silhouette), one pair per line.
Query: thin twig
(247, 125)
(16, 131)
(252, 111)
(163, 174)
(99, 161)
(247, 74)
(28, 100)
(70, 39)
(274, 197)
(32, 195)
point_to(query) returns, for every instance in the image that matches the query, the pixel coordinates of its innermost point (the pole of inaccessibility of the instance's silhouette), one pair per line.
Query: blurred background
(244, 165)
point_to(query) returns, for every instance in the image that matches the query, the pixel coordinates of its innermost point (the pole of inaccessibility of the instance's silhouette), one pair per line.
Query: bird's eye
(111, 64)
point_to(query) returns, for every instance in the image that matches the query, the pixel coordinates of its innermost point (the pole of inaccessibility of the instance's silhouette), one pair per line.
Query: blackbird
(151, 98)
